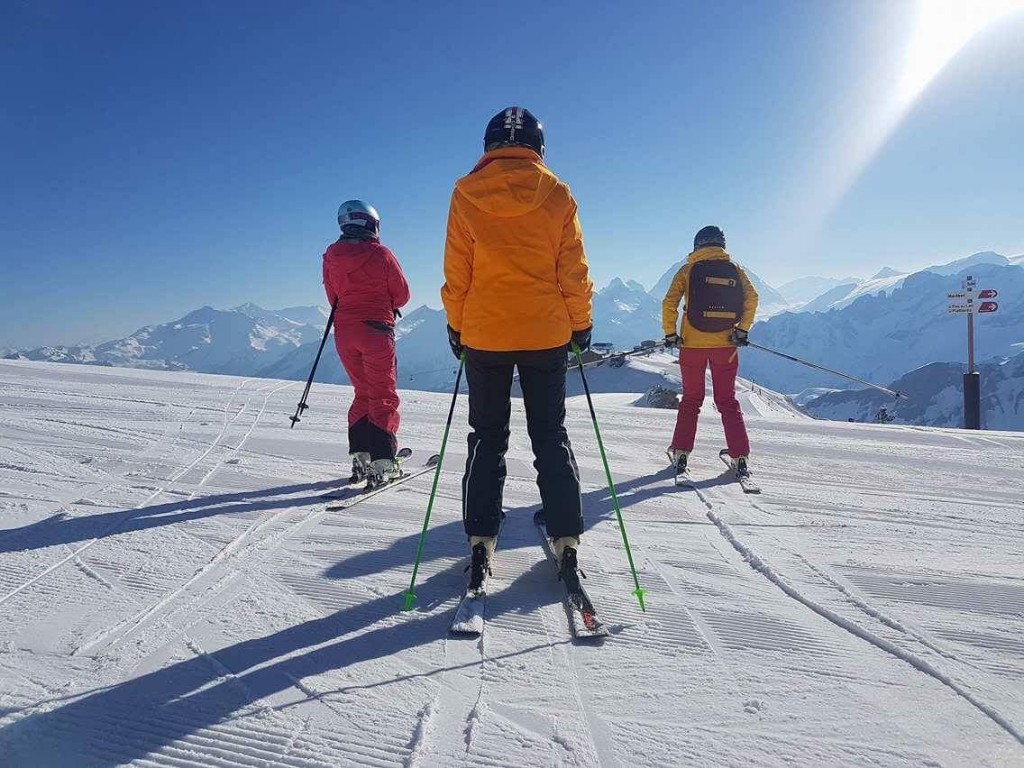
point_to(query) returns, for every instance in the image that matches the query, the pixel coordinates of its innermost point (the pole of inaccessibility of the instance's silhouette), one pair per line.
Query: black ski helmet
(514, 127)
(359, 219)
(709, 235)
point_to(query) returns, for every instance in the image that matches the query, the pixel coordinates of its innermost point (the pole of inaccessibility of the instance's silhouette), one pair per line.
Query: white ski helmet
(358, 219)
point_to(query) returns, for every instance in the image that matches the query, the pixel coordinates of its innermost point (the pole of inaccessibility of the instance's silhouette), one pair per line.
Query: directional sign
(961, 295)
(968, 283)
(988, 293)
(972, 308)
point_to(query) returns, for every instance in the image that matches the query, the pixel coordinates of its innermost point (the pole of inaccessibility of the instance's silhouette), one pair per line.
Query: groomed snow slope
(173, 592)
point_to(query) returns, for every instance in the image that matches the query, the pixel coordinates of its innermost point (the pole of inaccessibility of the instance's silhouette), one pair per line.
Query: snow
(174, 592)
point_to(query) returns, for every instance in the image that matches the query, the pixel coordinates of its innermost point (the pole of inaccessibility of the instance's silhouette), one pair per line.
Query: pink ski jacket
(366, 280)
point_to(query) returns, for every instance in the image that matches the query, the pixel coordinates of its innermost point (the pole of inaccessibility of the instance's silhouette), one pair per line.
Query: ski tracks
(123, 520)
(765, 569)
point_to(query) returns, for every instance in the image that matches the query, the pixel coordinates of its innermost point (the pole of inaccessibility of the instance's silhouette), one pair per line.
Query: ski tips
(433, 460)
(404, 453)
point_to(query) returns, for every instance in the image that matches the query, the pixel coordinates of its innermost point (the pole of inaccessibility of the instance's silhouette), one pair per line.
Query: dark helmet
(358, 219)
(709, 236)
(514, 127)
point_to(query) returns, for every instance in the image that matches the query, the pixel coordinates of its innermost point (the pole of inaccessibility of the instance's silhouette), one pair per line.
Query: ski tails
(469, 618)
(583, 620)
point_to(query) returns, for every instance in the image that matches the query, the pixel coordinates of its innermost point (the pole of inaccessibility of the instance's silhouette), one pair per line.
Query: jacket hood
(349, 255)
(708, 253)
(509, 181)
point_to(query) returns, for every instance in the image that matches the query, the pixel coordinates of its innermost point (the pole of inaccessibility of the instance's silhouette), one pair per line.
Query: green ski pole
(410, 595)
(639, 592)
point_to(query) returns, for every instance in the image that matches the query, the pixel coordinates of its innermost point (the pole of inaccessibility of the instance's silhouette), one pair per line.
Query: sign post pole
(963, 302)
(972, 379)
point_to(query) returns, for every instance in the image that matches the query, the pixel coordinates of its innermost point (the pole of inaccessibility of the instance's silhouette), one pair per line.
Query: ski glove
(672, 340)
(455, 342)
(738, 337)
(581, 339)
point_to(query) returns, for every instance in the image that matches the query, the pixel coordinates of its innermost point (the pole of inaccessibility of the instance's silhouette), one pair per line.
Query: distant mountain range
(934, 397)
(878, 329)
(889, 325)
(237, 341)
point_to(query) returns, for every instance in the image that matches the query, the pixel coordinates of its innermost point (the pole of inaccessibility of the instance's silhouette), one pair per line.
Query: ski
(748, 485)
(430, 464)
(583, 621)
(469, 616)
(684, 479)
(350, 487)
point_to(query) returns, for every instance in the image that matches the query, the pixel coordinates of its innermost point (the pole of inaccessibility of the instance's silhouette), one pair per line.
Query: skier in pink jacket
(366, 281)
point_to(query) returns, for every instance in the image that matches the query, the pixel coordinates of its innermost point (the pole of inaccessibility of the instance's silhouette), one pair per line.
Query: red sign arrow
(988, 306)
(988, 293)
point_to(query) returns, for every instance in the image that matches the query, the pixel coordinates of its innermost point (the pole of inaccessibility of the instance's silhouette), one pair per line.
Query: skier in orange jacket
(517, 292)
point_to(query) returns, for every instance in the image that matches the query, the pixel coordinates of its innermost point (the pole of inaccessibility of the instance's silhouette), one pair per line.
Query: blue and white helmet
(358, 219)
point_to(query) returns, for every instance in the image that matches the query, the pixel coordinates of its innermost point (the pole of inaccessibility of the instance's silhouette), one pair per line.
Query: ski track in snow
(213, 612)
(125, 519)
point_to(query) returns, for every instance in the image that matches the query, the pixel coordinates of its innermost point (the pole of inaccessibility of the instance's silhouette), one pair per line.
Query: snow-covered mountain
(425, 361)
(974, 260)
(899, 325)
(845, 292)
(625, 313)
(885, 281)
(935, 397)
(233, 341)
(804, 289)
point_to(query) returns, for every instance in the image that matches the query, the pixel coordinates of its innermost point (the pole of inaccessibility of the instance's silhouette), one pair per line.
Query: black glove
(581, 339)
(455, 342)
(672, 340)
(738, 337)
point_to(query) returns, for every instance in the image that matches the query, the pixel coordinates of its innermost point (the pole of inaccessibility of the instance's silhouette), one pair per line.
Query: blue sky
(158, 157)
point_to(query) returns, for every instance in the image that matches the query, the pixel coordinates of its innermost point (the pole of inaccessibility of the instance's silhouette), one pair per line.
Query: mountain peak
(886, 272)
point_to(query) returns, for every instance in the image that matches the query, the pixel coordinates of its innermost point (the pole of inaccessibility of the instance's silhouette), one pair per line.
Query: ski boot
(566, 550)
(739, 466)
(678, 459)
(479, 567)
(382, 472)
(360, 467)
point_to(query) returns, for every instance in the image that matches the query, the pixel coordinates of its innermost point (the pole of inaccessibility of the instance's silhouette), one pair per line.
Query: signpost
(971, 302)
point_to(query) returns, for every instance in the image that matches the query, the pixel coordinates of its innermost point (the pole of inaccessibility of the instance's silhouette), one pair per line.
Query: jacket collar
(508, 153)
(708, 253)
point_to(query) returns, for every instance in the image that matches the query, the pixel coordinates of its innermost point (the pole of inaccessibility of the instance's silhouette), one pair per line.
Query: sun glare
(939, 30)
(944, 27)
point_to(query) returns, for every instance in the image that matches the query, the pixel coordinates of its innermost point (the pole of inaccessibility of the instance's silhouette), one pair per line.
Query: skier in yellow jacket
(720, 304)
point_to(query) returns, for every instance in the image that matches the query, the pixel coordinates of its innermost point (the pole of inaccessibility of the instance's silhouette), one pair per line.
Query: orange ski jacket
(516, 275)
(678, 290)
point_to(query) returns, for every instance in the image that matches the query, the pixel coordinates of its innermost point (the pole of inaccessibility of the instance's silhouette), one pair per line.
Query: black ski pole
(309, 383)
(809, 364)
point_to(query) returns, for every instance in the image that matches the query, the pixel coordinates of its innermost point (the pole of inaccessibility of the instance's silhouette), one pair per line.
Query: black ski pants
(542, 379)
